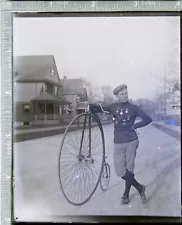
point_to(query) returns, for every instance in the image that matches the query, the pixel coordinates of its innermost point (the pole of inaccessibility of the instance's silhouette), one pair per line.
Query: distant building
(74, 92)
(36, 91)
(173, 104)
(169, 106)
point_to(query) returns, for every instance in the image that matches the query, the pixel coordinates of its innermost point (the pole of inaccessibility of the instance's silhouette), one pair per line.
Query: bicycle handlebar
(102, 108)
(88, 107)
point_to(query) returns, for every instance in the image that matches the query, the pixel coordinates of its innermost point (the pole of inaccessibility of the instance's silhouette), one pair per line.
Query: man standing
(125, 138)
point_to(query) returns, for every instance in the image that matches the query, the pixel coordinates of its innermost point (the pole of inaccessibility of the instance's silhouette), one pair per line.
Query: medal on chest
(122, 116)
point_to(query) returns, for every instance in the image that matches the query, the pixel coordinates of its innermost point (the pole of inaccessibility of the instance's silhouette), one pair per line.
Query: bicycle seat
(106, 157)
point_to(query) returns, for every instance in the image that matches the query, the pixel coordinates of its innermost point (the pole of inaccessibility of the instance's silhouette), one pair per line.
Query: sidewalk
(173, 127)
(38, 129)
(172, 130)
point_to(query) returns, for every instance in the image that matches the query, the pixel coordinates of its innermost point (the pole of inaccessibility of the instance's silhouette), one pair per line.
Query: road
(37, 191)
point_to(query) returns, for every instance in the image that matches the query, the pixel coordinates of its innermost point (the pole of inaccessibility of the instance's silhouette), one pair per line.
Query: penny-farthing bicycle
(82, 159)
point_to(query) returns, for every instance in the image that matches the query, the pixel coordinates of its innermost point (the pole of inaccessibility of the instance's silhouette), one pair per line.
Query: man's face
(123, 95)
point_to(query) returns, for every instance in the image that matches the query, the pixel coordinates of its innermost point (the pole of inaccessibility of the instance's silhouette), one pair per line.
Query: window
(41, 107)
(60, 109)
(50, 108)
(79, 111)
(50, 89)
(78, 99)
(52, 70)
(44, 88)
(26, 108)
(26, 123)
(55, 90)
(175, 106)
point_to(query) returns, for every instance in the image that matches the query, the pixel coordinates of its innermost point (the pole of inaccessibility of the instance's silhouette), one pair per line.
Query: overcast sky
(123, 49)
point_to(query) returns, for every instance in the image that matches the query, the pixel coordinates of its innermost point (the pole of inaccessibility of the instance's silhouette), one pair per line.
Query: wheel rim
(80, 174)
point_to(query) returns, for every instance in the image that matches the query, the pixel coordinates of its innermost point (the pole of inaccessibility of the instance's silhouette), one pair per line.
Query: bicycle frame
(89, 127)
(82, 136)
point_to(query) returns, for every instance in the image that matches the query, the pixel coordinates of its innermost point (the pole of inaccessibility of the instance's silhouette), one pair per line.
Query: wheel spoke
(95, 138)
(73, 185)
(72, 145)
(66, 172)
(70, 177)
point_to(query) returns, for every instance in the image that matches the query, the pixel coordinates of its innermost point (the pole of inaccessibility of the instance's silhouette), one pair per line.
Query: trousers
(124, 157)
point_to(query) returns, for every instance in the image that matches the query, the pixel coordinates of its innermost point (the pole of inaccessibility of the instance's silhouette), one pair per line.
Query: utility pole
(164, 95)
(164, 99)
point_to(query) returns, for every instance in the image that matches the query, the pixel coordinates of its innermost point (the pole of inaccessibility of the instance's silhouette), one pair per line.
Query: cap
(119, 88)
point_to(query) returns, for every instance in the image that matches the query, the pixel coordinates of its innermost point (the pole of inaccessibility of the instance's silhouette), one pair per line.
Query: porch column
(62, 109)
(62, 114)
(45, 113)
(35, 110)
(54, 111)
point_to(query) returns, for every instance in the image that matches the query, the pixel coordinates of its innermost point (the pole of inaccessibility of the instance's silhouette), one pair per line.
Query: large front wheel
(81, 158)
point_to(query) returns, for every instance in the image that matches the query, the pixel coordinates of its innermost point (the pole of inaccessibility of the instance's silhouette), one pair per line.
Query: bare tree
(171, 72)
(170, 83)
(176, 86)
(173, 63)
(107, 94)
(93, 91)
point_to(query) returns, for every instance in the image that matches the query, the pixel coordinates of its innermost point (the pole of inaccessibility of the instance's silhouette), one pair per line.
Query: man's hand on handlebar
(97, 108)
(93, 107)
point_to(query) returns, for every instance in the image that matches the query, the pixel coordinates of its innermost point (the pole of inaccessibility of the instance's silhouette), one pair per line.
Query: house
(74, 91)
(169, 106)
(36, 91)
(173, 108)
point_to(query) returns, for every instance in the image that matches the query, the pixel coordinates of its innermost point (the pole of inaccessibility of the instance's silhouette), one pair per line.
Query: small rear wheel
(105, 177)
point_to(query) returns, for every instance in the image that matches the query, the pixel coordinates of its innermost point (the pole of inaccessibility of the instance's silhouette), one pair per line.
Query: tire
(87, 164)
(105, 177)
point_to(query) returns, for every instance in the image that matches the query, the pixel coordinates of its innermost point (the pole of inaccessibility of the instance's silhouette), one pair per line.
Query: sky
(105, 50)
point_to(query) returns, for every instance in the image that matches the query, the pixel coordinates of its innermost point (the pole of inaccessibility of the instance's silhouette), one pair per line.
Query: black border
(98, 14)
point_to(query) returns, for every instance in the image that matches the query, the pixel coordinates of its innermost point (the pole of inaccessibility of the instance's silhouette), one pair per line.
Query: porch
(48, 111)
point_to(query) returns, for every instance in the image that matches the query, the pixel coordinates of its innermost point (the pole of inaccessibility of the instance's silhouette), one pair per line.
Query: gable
(52, 74)
(35, 69)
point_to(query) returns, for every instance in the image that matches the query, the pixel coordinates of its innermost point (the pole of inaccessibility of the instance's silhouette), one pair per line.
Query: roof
(46, 97)
(71, 86)
(34, 67)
